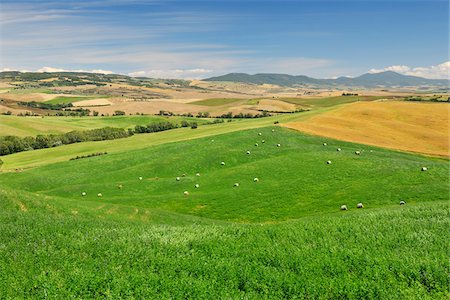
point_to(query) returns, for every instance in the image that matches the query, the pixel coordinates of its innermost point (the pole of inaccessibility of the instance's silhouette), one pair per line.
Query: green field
(329, 101)
(64, 99)
(27, 126)
(281, 237)
(217, 101)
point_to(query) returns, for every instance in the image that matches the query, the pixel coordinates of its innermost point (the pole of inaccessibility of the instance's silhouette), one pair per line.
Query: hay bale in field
(183, 175)
(236, 184)
(263, 141)
(197, 174)
(83, 194)
(424, 169)
(357, 152)
(328, 162)
(402, 202)
(325, 144)
(260, 133)
(178, 178)
(119, 186)
(99, 195)
(338, 149)
(186, 193)
(344, 207)
(273, 130)
(256, 144)
(248, 152)
(222, 163)
(140, 178)
(278, 145)
(197, 186)
(359, 205)
(256, 179)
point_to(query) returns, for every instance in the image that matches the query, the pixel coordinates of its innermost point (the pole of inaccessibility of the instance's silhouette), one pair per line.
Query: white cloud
(52, 70)
(432, 72)
(185, 74)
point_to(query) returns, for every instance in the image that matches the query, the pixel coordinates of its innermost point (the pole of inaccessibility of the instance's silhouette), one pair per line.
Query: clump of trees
(14, 144)
(349, 94)
(44, 105)
(89, 155)
(229, 115)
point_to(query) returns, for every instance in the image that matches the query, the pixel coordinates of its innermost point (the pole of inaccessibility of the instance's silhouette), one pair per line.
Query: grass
(51, 155)
(293, 168)
(283, 237)
(64, 99)
(329, 101)
(26, 126)
(217, 101)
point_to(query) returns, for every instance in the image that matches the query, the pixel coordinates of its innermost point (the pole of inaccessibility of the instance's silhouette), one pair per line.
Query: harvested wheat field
(407, 126)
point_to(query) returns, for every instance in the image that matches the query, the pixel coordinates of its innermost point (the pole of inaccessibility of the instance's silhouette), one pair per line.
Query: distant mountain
(383, 79)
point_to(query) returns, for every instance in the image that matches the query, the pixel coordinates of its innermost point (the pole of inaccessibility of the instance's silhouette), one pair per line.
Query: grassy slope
(217, 101)
(298, 168)
(148, 241)
(63, 99)
(26, 126)
(52, 155)
(329, 101)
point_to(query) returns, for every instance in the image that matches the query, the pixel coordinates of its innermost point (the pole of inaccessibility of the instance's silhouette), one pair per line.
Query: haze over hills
(383, 79)
(368, 80)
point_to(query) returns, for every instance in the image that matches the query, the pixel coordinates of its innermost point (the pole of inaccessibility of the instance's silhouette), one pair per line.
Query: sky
(199, 39)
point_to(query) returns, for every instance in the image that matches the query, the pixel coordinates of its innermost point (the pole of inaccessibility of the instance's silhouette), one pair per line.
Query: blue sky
(197, 39)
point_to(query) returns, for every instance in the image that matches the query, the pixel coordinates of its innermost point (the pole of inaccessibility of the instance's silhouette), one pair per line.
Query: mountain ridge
(387, 78)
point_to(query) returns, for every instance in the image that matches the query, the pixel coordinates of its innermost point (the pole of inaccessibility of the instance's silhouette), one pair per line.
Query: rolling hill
(370, 80)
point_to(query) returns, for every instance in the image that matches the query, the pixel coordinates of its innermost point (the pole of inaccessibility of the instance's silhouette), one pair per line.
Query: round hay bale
(344, 207)
(256, 144)
(83, 194)
(273, 130)
(357, 152)
(260, 133)
(197, 174)
(256, 179)
(140, 178)
(197, 186)
(178, 178)
(222, 163)
(212, 140)
(263, 141)
(183, 175)
(119, 186)
(328, 162)
(338, 149)
(402, 202)
(424, 169)
(248, 152)
(236, 184)
(359, 205)
(186, 193)
(325, 144)
(278, 145)
(99, 195)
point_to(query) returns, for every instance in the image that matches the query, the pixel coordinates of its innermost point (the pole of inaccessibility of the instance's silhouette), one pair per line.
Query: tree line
(13, 144)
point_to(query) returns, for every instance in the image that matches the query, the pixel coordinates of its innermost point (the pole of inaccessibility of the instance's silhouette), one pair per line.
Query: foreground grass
(31, 126)
(282, 237)
(53, 248)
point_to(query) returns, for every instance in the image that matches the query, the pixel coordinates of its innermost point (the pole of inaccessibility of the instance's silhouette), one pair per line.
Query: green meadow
(65, 100)
(282, 236)
(30, 126)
